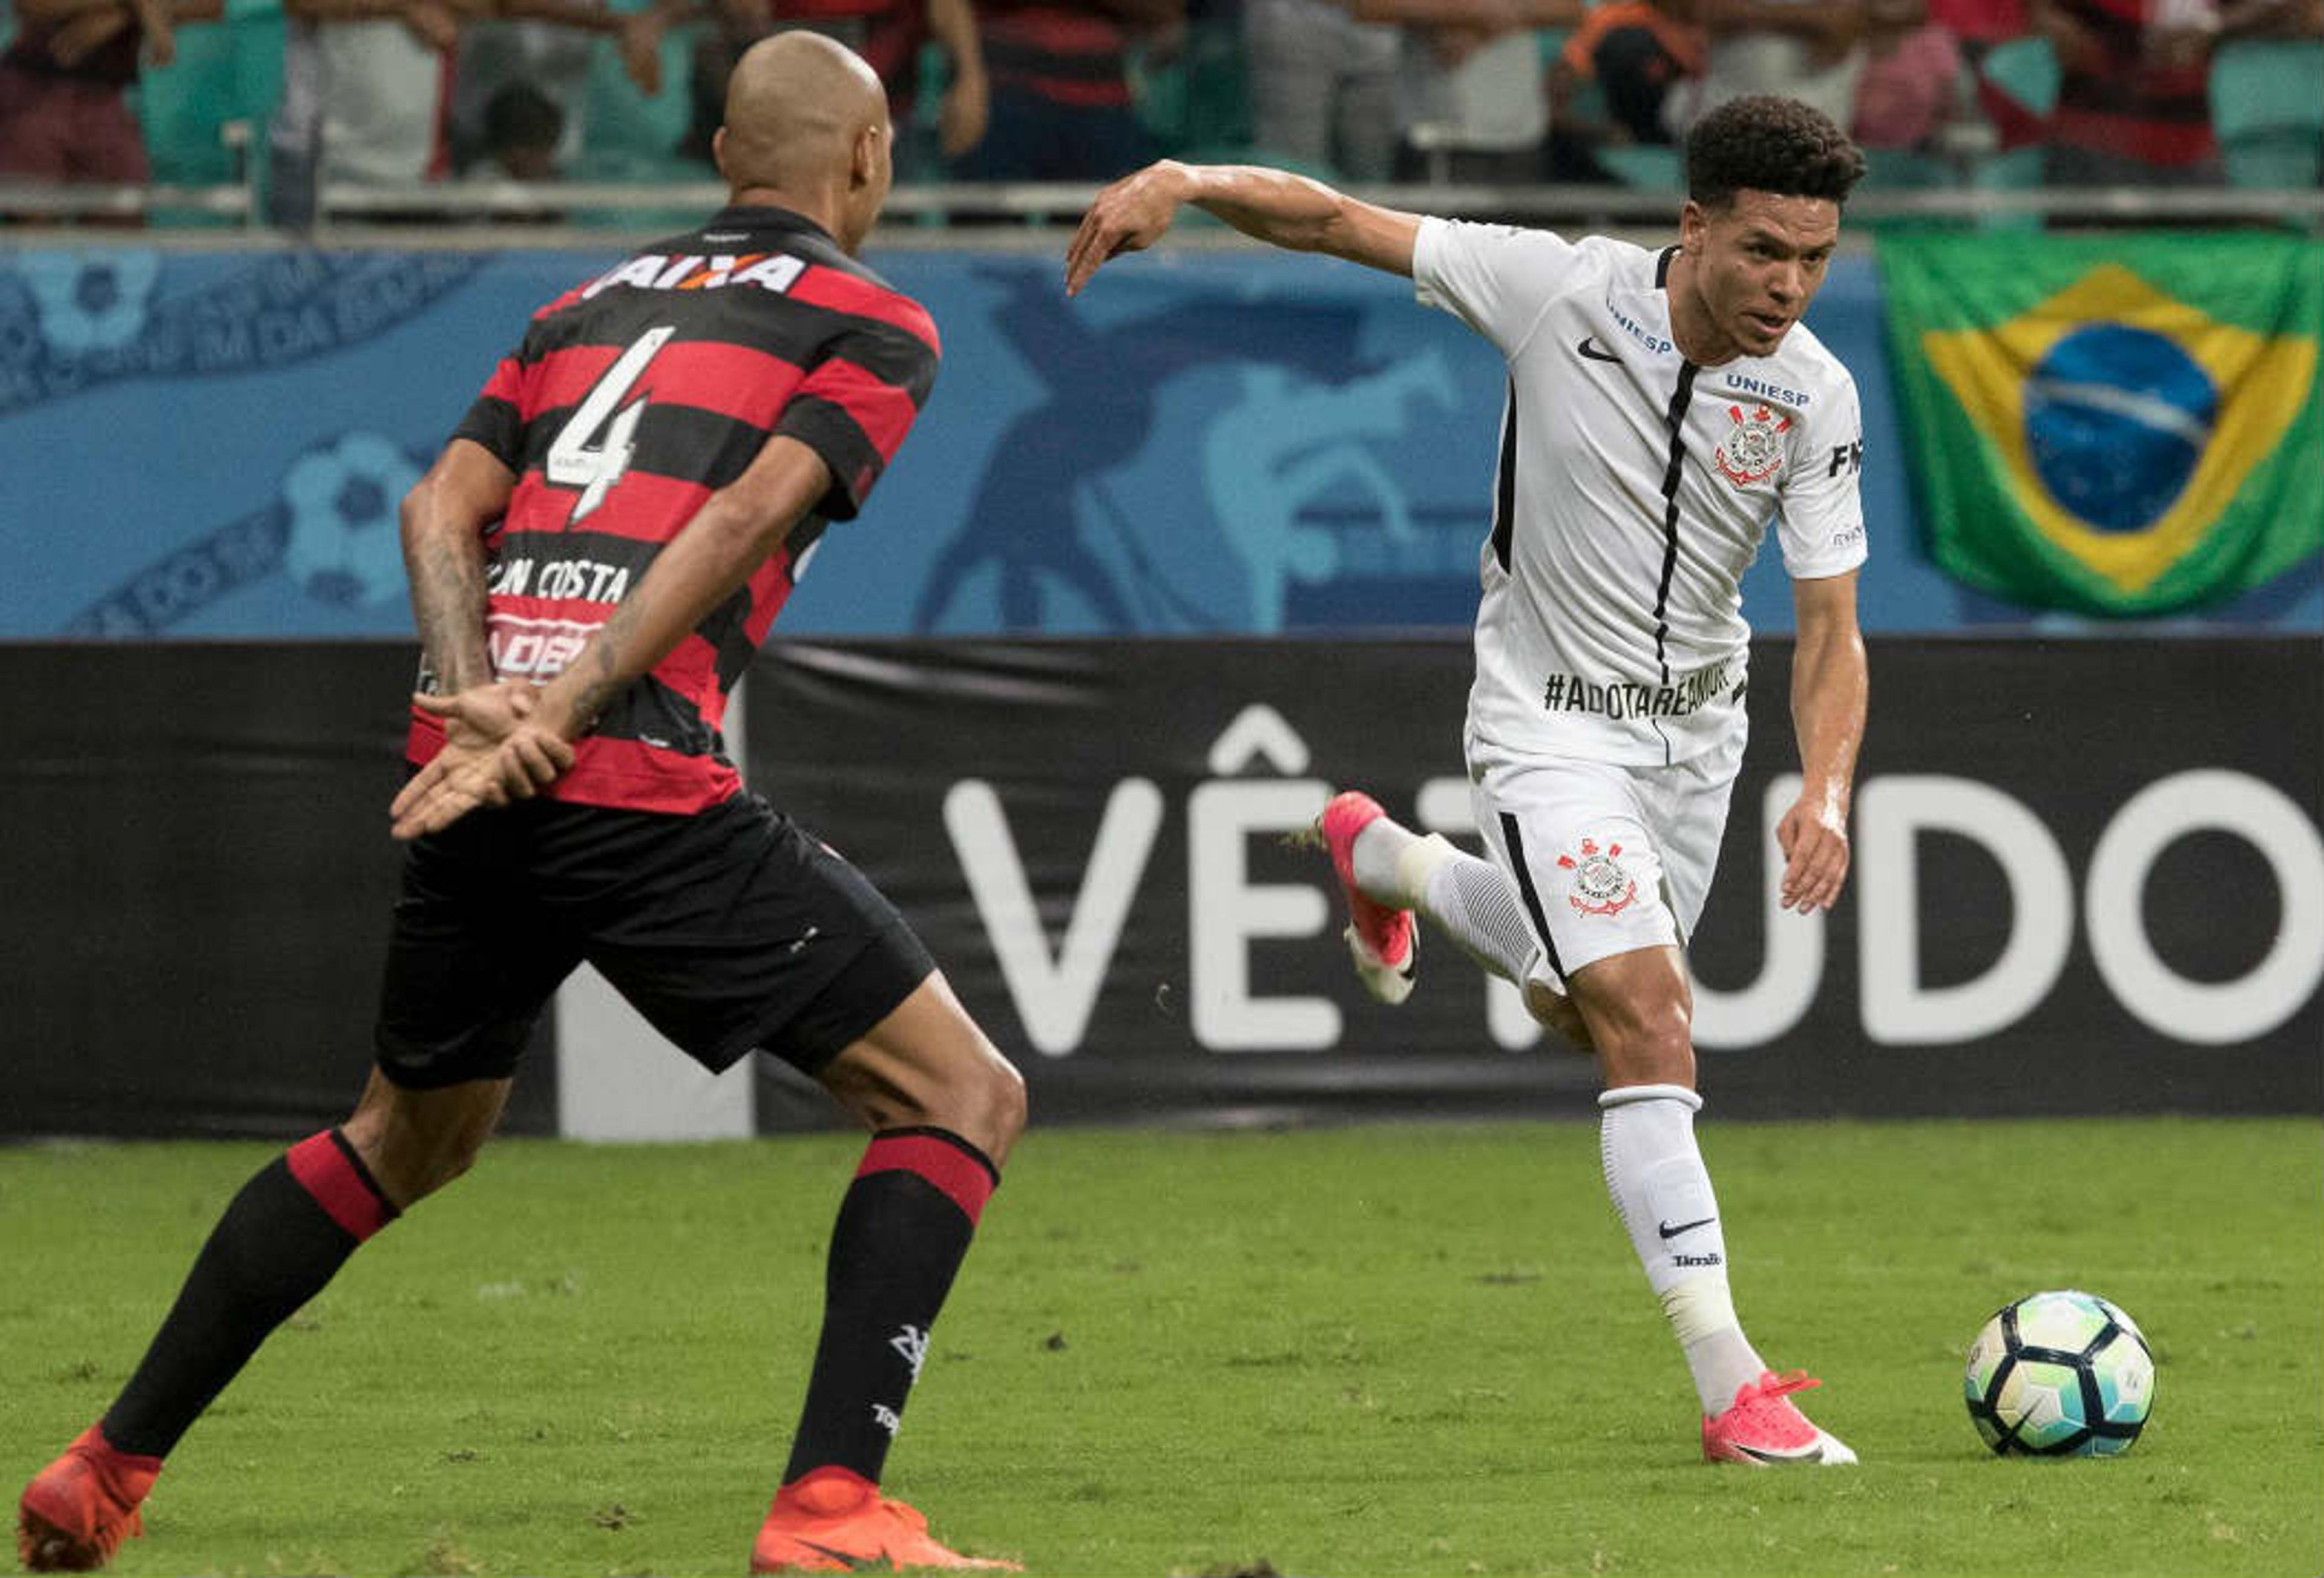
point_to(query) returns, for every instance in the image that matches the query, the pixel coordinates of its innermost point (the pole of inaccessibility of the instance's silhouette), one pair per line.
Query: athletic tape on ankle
(1418, 861)
(1623, 1095)
(328, 1168)
(963, 1173)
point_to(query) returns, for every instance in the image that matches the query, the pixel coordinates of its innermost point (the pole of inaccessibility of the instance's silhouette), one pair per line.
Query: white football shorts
(1608, 858)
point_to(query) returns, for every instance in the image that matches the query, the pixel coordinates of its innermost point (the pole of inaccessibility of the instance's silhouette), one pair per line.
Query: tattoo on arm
(604, 680)
(447, 603)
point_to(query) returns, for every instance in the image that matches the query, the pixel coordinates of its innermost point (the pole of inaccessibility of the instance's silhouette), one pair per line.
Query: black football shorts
(730, 930)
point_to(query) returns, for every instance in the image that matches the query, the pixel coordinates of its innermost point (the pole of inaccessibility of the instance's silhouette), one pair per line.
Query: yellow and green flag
(2122, 424)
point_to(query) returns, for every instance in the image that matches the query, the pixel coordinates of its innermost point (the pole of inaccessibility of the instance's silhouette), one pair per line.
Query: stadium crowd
(1991, 93)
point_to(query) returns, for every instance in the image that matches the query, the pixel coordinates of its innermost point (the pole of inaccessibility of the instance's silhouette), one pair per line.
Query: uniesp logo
(1754, 450)
(652, 271)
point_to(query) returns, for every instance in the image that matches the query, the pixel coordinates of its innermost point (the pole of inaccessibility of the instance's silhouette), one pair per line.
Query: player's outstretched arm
(1283, 209)
(1829, 686)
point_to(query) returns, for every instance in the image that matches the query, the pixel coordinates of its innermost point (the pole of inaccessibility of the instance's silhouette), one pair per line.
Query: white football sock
(1662, 1195)
(1471, 900)
(1479, 908)
(1374, 856)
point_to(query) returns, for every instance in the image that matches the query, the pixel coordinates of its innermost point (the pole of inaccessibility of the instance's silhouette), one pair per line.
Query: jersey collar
(766, 217)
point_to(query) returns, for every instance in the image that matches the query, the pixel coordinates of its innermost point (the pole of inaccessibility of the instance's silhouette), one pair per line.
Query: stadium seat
(2024, 72)
(1199, 95)
(225, 78)
(629, 137)
(2267, 109)
(1647, 167)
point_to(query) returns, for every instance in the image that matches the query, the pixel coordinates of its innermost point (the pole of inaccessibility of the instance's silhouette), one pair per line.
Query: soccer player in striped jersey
(594, 559)
(1665, 409)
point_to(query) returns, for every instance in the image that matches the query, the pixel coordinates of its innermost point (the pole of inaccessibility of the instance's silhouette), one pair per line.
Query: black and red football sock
(903, 1230)
(284, 1236)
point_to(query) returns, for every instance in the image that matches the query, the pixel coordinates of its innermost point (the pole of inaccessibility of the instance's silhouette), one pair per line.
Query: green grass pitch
(1419, 1350)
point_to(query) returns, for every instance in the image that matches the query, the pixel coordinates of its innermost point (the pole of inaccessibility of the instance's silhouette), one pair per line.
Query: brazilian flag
(2126, 425)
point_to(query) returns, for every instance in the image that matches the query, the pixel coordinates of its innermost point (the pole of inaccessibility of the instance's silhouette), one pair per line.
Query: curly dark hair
(1769, 145)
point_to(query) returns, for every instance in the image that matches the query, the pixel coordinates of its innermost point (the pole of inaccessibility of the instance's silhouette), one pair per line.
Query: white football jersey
(1632, 491)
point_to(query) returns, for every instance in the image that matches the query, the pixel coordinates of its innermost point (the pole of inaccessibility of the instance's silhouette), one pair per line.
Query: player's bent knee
(417, 1141)
(1556, 1012)
(928, 1064)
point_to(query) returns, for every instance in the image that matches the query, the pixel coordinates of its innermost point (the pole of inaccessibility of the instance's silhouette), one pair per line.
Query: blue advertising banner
(204, 444)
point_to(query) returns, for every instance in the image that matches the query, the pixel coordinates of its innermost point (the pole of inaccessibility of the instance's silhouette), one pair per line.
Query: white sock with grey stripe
(1663, 1194)
(1472, 900)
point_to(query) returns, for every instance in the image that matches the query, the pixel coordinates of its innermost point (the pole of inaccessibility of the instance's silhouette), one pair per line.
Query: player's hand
(964, 113)
(1813, 838)
(495, 750)
(640, 41)
(78, 39)
(435, 26)
(161, 37)
(1129, 216)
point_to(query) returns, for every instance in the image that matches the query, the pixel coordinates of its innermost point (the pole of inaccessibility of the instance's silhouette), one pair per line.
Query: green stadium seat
(2267, 109)
(1647, 167)
(1199, 95)
(226, 73)
(2026, 70)
(627, 134)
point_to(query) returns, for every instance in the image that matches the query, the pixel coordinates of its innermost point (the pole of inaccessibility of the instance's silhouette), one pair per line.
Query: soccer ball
(2060, 1375)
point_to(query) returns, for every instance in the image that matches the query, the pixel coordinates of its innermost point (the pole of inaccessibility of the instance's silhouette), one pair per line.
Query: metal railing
(949, 213)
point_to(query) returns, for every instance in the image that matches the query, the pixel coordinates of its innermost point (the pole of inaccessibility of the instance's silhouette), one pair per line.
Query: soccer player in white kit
(1664, 407)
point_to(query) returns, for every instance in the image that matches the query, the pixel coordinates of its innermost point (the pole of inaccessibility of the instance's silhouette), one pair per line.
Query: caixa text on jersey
(1624, 699)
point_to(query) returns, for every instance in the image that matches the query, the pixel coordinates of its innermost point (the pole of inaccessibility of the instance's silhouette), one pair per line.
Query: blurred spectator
(1911, 76)
(365, 88)
(522, 128)
(1322, 86)
(64, 81)
(2133, 86)
(362, 97)
(495, 56)
(1062, 108)
(1807, 49)
(1637, 52)
(888, 33)
(1474, 104)
(1977, 25)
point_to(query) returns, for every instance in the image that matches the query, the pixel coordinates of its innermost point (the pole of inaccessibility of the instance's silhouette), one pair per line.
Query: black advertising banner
(2089, 879)
(2089, 876)
(194, 883)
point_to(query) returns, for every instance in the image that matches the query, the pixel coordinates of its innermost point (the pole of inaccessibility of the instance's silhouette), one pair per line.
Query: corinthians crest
(1754, 450)
(1602, 885)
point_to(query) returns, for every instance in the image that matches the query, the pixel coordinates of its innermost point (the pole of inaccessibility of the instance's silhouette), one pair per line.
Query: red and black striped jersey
(631, 400)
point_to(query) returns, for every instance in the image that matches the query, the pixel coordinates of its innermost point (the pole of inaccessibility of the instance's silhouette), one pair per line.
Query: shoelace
(1770, 1390)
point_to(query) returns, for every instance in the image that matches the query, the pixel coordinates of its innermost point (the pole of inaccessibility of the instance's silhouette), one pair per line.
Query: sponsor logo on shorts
(1602, 885)
(1754, 450)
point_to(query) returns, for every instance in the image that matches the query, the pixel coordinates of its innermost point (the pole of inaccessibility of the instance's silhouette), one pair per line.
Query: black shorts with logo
(729, 930)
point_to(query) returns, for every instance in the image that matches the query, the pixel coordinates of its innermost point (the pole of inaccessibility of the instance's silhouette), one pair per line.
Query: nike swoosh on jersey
(1668, 1232)
(1590, 349)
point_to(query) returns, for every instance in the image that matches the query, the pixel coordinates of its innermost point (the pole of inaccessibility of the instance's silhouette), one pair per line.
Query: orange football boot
(1763, 1428)
(833, 1520)
(77, 1511)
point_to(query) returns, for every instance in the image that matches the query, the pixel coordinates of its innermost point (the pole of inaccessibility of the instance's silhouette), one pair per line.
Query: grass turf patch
(1422, 1350)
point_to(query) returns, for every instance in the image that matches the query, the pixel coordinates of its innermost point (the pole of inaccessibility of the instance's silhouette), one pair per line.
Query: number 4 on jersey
(581, 457)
